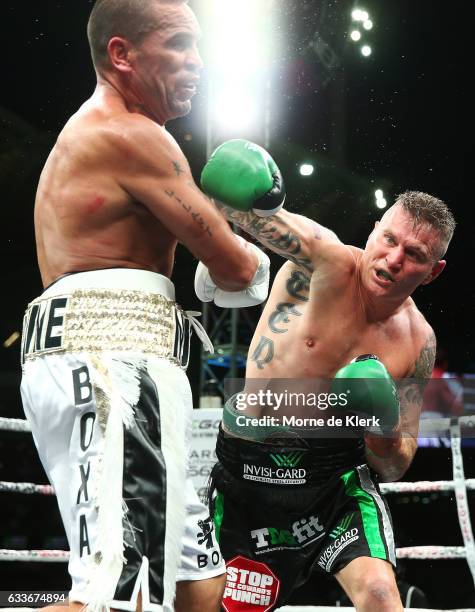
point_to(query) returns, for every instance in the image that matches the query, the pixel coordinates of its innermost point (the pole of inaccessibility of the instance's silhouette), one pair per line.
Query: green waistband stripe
(369, 514)
(218, 514)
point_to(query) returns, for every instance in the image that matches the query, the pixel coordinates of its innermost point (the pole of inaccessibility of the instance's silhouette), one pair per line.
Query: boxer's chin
(180, 108)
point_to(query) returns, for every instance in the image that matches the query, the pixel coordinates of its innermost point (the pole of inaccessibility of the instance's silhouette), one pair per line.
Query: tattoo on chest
(263, 353)
(196, 216)
(297, 283)
(178, 169)
(281, 315)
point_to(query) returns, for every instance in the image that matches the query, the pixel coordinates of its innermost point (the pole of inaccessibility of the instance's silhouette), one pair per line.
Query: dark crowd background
(396, 120)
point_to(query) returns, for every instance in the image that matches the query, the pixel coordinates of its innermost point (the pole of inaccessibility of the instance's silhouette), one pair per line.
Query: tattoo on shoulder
(411, 390)
(178, 169)
(425, 362)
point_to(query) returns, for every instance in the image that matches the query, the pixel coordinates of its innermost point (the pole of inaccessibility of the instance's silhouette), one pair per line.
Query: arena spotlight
(359, 15)
(356, 35)
(238, 111)
(238, 73)
(306, 169)
(380, 199)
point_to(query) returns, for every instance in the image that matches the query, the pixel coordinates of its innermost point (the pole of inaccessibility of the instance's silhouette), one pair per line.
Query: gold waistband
(119, 321)
(94, 321)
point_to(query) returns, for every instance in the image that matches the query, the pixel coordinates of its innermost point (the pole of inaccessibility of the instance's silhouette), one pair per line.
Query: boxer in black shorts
(329, 304)
(295, 505)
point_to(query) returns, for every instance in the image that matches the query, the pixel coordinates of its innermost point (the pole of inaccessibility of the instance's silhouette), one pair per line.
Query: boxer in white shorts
(105, 391)
(117, 192)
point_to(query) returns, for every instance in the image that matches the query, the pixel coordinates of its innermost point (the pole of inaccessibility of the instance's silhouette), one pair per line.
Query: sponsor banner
(202, 455)
(251, 586)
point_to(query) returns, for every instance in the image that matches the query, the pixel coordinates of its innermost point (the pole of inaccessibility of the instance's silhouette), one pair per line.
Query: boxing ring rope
(458, 484)
(421, 486)
(410, 552)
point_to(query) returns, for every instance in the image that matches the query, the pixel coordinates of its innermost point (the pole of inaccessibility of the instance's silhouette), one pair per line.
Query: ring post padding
(461, 495)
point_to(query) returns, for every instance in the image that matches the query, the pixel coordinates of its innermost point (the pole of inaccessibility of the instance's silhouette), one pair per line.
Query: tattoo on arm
(281, 315)
(270, 231)
(317, 229)
(412, 391)
(264, 352)
(178, 169)
(196, 216)
(197, 189)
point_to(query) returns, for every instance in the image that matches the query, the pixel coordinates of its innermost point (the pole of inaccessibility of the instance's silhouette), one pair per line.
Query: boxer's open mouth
(384, 275)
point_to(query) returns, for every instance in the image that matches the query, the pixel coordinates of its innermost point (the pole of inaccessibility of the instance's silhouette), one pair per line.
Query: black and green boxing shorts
(273, 536)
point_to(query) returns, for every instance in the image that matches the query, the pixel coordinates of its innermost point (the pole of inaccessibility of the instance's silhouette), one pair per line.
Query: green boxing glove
(244, 176)
(234, 423)
(372, 393)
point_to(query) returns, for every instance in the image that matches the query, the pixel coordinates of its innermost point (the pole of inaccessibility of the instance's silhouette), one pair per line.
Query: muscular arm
(292, 236)
(402, 448)
(155, 173)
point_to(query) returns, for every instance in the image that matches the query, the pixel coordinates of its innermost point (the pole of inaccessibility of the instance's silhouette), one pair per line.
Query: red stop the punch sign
(250, 586)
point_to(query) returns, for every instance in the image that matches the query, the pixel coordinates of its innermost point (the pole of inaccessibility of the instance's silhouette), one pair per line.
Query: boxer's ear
(120, 52)
(435, 271)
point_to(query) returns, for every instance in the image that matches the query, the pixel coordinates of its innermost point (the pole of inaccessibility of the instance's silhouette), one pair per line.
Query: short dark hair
(131, 19)
(425, 208)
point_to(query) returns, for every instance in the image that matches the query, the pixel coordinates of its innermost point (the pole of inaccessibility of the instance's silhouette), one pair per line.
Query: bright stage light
(306, 169)
(355, 35)
(366, 50)
(239, 52)
(235, 109)
(239, 45)
(368, 24)
(359, 15)
(380, 200)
